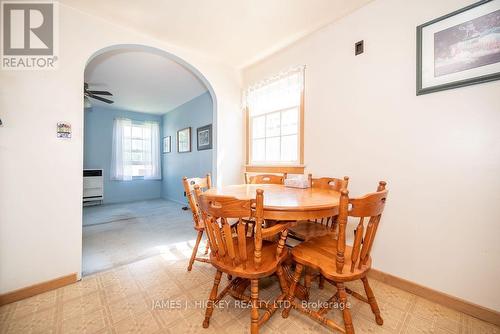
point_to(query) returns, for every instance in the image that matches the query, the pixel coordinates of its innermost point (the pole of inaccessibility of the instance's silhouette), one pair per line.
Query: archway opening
(149, 120)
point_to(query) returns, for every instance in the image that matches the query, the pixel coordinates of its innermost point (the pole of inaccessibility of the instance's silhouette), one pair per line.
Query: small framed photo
(184, 140)
(63, 130)
(167, 144)
(459, 49)
(204, 135)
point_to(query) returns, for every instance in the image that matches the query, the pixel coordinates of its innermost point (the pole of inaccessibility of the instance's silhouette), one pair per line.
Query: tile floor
(118, 234)
(158, 295)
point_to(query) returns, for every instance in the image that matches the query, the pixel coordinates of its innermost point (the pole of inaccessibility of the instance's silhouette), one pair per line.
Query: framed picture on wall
(184, 140)
(204, 136)
(167, 144)
(459, 49)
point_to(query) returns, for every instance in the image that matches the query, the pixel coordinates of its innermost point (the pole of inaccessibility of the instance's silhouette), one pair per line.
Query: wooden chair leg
(207, 247)
(211, 299)
(307, 281)
(346, 313)
(291, 290)
(254, 294)
(372, 301)
(282, 279)
(321, 283)
(195, 250)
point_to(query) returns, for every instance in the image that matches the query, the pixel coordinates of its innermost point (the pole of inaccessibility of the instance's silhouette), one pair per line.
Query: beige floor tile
(5, 312)
(193, 325)
(34, 304)
(82, 306)
(368, 325)
(143, 323)
(114, 276)
(476, 326)
(202, 292)
(154, 278)
(193, 279)
(427, 309)
(417, 324)
(120, 289)
(85, 323)
(158, 295)
(127, 307)
(175, 308)
(393, 296)
(300, 323)
(39, 322)
(163, 292)
(393, 317)
(86, 286)
(442, 318)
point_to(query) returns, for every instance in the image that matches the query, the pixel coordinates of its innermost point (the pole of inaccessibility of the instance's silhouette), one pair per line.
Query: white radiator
(93, 185)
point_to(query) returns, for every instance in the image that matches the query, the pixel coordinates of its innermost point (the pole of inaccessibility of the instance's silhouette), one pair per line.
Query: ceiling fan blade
(100, 92)
(100, 98)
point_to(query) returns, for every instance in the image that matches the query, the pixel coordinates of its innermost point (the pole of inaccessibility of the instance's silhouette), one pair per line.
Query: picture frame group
(204, 140)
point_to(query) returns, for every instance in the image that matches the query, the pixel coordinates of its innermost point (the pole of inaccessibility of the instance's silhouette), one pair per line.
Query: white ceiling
(238, 32)
(151, 83)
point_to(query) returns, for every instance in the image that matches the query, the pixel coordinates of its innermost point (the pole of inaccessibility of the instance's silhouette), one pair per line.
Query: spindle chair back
(265, 178)
(339, 262)
(239, 250)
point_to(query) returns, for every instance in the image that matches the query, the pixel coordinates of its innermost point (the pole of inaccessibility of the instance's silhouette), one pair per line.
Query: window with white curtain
(136, 150)
(274, 111)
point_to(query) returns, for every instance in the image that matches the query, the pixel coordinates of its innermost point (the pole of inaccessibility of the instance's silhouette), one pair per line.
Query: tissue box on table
(299, 182)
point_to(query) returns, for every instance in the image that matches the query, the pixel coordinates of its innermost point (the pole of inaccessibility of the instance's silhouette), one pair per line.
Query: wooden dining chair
(189, 184)
(340, 263)
(265, 178)
(240, 251)
(306, 230)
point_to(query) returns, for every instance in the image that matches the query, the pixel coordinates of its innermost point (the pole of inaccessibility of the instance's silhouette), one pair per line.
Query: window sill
(275, 168)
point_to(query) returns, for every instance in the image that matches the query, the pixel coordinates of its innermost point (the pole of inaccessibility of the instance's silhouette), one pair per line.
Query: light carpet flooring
(118, 234)
(158, 295)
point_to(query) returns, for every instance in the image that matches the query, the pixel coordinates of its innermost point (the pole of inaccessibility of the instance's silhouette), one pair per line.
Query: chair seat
(307, 229)
(320, 253)
(268, 265)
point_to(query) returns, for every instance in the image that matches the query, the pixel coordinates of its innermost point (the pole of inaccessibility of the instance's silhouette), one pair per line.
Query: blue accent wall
(98, 140)
(195, 113)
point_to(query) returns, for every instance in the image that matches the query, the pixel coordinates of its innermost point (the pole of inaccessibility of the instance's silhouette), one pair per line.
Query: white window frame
(300, 127)
(140, 125)
(250, 138)
(122, 164)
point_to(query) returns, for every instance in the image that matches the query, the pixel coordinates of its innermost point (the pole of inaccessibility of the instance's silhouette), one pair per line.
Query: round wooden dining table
(286, 203)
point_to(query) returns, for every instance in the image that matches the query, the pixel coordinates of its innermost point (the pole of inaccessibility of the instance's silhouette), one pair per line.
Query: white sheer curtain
(121, 164)
(279, 92)
(136, 150)
(151, 151)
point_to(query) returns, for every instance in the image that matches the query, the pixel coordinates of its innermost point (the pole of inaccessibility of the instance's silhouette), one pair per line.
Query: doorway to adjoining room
(143, 108)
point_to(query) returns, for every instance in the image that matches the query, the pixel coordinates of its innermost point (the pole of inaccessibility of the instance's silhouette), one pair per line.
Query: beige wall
(41, 176)
(440, 153)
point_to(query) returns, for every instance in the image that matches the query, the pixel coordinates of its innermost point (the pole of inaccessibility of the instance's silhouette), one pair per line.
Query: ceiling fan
(93, 94)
